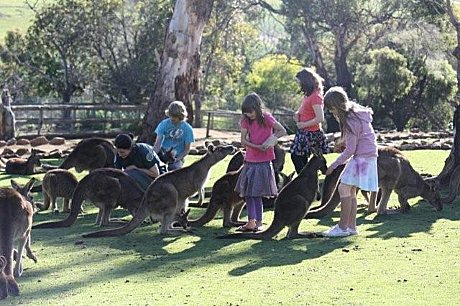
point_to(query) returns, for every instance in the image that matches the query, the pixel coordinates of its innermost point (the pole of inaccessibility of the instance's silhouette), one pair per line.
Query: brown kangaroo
(58, 183)
(106, 188)
(223, 195)
(292, 203)
(90, 154)
(166, 198)
(395, 173)
(23, 166)
(16, 211)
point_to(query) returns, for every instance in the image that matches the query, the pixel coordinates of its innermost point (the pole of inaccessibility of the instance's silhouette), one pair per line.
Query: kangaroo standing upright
(16, 213)
(23, 166)
(90, 154)
(106, 188)
(292, 203)
(58, 183)
(166, 198)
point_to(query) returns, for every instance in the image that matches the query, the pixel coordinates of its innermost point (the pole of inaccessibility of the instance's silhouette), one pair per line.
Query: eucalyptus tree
(180, 62)
(329, 31)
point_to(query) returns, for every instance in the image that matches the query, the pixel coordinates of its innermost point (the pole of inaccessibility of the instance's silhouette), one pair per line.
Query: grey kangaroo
(16, 211)
(106, 188)
(292, 203)
(223, 195)
(23, 166)
(90, 154)
(58, 183)
(165, 199)
(395, 173)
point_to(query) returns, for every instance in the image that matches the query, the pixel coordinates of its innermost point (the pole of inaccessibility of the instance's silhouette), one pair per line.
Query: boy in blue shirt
(174, 135)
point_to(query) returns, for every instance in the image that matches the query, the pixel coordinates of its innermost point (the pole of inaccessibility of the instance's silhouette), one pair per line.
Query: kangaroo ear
(30, 184)
(187, 212)
(15, 185)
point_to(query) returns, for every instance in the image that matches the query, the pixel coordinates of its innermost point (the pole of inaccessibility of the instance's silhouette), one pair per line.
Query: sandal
(245, 228)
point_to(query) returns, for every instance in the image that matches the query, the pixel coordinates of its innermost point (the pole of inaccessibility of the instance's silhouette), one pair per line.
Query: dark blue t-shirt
(142, 156)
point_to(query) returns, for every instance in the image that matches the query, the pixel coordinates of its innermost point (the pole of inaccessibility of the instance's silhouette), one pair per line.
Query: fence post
(40, 120)
(208, 125)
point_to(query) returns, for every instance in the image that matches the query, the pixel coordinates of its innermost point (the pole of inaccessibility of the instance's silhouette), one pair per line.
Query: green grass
(409, 259)
(15, 15)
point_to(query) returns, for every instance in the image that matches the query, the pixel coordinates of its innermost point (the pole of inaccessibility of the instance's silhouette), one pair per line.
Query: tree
(407, 89)
(332, 29)
(180, 62)
(52, 52)
(273, 78)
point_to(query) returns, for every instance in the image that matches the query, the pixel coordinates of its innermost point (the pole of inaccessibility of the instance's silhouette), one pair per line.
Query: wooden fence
(83, 120)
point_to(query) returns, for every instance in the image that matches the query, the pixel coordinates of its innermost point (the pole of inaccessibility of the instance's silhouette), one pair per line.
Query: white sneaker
(336, 231)
(352, 231)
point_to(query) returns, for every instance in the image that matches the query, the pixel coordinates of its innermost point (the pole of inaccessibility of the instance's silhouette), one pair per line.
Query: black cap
(124, 141)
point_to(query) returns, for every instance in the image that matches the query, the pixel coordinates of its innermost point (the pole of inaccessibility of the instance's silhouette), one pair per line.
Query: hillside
(14, 15)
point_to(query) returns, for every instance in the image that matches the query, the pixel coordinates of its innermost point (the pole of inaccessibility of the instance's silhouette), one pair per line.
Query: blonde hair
(177, 109)
(336, 99)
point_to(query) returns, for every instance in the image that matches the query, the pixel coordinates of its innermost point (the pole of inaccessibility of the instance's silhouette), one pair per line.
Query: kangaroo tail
(209, 214)
(141, 214)
(269, 233)
(78, 197)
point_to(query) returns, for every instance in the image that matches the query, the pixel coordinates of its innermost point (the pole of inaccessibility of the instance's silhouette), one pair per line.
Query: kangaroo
(23, 166)
(394, 173)
(106, 188)
(16, 211)
(292, 203)
(58, 183)
(166, 198)
(223, 195)
(90, 154)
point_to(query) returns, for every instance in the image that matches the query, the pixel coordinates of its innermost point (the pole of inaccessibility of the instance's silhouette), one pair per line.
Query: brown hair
(253, 102)
(177, 109)
(309, 81)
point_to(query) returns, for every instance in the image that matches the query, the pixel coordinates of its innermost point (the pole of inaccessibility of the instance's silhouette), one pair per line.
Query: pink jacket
(361, 142)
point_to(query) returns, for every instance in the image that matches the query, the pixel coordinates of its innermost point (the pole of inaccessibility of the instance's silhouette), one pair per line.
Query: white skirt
(362, 173)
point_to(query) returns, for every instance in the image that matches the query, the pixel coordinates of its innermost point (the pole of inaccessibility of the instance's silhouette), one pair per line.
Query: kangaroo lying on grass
(292, 203)
(16, 211)
(395, 173)
(23, 166)
(90, 154)
(166, 198)
(58, 183)
(106, 188)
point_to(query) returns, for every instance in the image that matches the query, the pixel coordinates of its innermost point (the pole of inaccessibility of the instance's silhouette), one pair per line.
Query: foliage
(403, 89)
(273, 78)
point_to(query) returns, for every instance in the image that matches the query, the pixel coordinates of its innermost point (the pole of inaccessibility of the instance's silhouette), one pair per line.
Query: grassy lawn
(410, 259)
(14, 15)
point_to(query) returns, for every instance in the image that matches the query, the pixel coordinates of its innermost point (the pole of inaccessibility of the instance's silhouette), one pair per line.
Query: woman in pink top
(308, 119)
(259, 132)
(360, 155)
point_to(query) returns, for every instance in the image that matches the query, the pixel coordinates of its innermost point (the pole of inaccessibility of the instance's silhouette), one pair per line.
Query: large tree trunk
(453, 160)
(180, 62)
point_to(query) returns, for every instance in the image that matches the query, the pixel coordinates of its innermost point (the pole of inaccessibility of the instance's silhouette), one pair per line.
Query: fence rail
(83, 120)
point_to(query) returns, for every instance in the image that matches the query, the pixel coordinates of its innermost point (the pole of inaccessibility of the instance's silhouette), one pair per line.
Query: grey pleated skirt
(257, 180)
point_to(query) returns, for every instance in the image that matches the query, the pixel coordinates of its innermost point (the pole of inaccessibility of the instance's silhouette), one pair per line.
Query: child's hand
(299, 125)
(329, 170)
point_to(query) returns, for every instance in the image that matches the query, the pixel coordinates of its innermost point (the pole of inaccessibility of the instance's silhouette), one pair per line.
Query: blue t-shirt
(142, 156)
(175, 136)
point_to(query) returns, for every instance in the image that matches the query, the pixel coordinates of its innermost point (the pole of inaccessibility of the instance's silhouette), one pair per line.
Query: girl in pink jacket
(360, 154)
